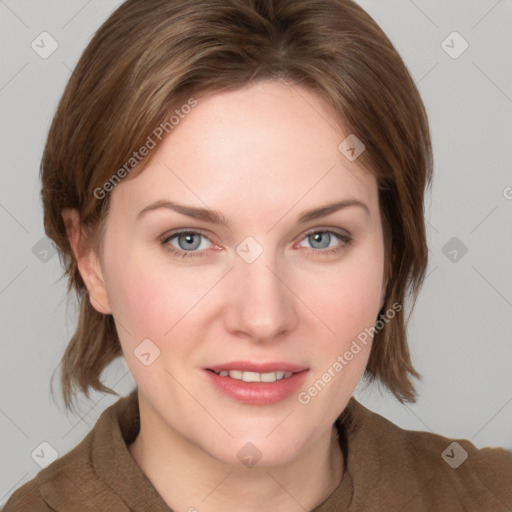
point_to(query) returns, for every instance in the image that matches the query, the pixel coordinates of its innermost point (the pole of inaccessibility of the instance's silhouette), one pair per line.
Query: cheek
(348, 301)
(147, 304)
(153, 299)
(149, 297)
(347, 297)
(143, 298)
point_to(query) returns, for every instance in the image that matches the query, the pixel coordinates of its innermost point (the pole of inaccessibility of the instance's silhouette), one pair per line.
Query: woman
(236, 188)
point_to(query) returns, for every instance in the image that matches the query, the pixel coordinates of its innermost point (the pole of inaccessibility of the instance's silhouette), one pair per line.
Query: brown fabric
(388, 469)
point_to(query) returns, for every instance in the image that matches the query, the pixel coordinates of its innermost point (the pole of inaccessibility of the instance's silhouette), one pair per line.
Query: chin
(256, 452)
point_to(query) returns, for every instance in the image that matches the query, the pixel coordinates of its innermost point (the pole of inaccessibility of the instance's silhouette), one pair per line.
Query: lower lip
(258, 393)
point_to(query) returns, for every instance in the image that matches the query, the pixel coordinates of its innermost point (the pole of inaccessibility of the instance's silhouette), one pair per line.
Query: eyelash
(345, 239)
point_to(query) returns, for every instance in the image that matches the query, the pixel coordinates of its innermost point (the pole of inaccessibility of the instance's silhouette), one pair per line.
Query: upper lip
(249, 366)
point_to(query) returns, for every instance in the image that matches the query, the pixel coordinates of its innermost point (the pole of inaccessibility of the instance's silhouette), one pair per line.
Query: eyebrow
(215, 217)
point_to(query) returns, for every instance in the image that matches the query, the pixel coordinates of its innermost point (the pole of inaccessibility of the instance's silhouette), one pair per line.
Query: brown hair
(150, 57)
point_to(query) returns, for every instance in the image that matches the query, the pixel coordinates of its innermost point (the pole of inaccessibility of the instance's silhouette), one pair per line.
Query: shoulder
(72, 482)
(435, 468)
(59, 477)
(25, 498)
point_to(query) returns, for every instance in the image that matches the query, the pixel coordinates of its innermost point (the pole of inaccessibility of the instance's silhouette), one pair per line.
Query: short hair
(150, 57)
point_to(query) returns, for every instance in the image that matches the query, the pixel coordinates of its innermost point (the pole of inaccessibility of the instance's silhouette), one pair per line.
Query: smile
(254, 376)
(257, 383)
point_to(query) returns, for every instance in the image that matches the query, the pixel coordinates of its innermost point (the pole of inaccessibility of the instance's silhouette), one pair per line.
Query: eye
(190, 244)
(325, 241)
(186, 243)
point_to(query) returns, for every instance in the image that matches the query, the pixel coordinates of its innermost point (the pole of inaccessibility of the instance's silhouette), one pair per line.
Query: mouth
(257, 383)
(248, 371)
(254, 376)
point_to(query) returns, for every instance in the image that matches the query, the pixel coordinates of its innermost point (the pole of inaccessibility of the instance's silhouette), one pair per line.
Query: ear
(87, 260)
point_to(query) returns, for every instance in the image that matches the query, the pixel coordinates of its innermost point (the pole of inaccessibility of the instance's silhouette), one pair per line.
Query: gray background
(460, 333)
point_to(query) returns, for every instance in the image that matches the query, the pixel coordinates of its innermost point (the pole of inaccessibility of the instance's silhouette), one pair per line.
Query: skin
(260, 155)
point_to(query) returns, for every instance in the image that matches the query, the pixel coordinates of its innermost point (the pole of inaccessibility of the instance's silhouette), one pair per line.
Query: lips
(257, 383)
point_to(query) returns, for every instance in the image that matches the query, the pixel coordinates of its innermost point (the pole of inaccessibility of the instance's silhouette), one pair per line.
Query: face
(263, 290)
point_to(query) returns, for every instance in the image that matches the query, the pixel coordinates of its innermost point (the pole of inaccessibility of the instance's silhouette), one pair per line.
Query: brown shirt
(387, 469)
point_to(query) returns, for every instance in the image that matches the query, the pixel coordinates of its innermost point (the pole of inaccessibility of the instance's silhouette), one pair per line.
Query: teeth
(251, 377)
(235, 374)
(269, 377)
(255, 376)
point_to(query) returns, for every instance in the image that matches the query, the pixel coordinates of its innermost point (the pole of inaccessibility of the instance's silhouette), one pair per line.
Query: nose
(262, 306)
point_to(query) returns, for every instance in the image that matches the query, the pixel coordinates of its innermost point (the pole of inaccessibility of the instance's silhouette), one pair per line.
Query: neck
(189, 479)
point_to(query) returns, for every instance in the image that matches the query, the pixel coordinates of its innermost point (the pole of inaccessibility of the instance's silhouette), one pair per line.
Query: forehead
(263, 147)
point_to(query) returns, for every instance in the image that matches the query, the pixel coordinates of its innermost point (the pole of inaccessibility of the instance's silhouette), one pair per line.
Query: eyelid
(321, 229)
(183, 231)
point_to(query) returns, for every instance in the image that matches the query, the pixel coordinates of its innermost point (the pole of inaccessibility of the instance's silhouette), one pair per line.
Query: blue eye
(189, 243)
(321, 239)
